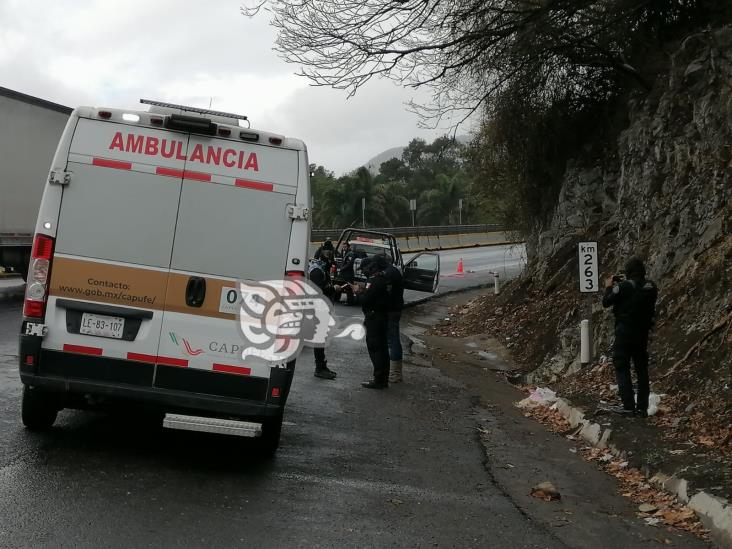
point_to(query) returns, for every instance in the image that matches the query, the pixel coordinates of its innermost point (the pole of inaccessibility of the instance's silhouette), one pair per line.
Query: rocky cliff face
(663, 193)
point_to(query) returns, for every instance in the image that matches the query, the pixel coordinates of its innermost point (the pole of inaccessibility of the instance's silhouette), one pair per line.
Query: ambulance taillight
(36, 291)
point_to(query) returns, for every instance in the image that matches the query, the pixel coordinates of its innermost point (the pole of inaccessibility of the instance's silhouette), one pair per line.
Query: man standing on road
(319, 274)
(394, 315)
(633, 299)
(374, 300)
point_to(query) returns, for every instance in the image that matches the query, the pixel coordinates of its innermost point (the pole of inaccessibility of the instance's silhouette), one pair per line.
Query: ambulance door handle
(195, 291)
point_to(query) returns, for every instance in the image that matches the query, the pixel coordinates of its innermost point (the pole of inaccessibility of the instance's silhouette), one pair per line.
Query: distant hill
(375, 163)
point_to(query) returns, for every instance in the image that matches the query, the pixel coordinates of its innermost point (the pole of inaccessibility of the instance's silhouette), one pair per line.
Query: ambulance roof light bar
(193, 109)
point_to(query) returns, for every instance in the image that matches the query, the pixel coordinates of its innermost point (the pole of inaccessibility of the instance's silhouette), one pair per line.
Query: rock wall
(665, 194)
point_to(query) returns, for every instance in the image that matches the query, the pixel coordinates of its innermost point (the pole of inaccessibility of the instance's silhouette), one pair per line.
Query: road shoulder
(521, 453)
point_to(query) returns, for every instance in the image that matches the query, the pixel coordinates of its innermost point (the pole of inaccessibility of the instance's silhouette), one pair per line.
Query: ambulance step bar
(212, 425)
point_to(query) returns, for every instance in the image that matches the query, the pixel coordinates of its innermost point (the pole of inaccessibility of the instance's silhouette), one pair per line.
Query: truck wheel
(38, 409)
(270, 440)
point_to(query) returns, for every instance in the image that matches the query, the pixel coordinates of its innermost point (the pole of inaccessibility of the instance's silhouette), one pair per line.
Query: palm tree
(439, 204)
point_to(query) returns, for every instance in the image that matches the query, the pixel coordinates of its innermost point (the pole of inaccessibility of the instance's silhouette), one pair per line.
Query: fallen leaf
(674, 516)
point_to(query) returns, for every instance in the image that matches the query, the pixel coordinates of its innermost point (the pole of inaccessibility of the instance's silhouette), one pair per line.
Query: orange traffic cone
(460, 266)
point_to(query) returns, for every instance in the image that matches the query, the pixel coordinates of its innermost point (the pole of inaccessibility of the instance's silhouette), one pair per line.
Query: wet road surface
(356, 468)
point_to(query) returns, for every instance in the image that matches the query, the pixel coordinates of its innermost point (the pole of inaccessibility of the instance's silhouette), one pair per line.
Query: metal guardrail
(319, 235)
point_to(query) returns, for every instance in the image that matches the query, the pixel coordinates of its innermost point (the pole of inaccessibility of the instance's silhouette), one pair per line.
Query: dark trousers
(633, 349)
(319, 353)
(393, 336)
(378, 345)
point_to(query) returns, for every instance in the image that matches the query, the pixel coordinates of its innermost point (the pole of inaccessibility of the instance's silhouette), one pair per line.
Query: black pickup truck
(421, 272)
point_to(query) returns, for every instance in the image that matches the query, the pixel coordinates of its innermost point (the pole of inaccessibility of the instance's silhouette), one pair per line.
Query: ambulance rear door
(234, 222)
(113, 248)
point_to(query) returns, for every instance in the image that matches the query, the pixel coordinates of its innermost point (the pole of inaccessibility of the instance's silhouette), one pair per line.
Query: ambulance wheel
(38, 409)
(271, 431)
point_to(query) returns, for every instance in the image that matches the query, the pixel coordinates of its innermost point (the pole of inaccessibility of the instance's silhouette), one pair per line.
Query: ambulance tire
(270, 439)
(38, 409)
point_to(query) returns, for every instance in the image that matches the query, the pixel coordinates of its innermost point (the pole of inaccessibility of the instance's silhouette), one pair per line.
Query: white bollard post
(496, 288)
(585, 343)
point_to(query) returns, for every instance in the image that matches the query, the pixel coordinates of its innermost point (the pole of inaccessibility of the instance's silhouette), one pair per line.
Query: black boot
(373, 384)
(322, 371)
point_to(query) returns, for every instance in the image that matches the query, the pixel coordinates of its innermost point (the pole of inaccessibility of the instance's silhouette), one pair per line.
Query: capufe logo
(172, 148)
(279, 317)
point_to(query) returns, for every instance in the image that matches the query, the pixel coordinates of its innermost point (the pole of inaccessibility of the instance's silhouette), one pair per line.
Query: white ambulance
(147, 221)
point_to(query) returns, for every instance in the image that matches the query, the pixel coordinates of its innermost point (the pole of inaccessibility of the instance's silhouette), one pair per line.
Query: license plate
(102, 325)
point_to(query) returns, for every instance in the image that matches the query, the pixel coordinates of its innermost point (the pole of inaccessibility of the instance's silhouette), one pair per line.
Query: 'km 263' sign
(588, 267)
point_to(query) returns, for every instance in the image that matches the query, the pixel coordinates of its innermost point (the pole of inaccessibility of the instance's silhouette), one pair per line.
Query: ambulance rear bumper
(169, 388)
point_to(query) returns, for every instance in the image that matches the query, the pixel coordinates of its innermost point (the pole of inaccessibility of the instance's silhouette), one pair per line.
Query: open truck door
(422, 273)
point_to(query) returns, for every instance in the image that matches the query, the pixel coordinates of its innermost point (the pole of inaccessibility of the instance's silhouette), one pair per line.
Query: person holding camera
(633, 300)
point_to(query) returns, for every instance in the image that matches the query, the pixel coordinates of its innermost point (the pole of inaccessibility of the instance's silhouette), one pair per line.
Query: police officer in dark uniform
(374, 301)
(633, 299)
(319, 274)
(326, 246)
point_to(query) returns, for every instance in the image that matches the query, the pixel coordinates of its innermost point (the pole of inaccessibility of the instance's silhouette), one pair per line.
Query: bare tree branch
(469, 51)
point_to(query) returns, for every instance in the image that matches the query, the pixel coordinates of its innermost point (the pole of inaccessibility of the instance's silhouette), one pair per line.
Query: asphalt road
(479, 266)
(356, 468)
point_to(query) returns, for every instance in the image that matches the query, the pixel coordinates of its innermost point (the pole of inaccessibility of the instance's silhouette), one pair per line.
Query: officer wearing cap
(374, 301)
(633, 299)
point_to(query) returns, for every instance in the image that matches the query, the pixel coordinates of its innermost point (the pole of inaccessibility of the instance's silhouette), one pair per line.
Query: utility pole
(413, 208)
(460, 209)
(363, 212)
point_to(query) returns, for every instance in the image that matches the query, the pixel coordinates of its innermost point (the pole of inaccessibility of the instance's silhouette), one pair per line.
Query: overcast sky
(103, 53)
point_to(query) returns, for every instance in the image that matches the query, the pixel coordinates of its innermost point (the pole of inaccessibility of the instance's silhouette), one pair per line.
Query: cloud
(95, 52)
(342, 134)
